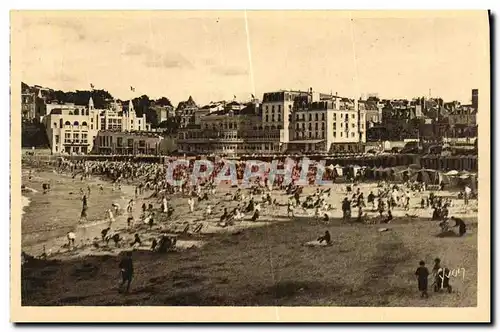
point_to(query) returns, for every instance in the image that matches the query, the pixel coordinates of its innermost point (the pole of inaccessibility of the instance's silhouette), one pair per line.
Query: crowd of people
(150, 181)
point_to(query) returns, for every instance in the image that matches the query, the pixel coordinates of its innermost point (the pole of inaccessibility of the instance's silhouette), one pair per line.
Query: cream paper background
(481, 313)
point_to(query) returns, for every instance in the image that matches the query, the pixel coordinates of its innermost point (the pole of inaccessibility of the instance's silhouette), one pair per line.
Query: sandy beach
(251, 263)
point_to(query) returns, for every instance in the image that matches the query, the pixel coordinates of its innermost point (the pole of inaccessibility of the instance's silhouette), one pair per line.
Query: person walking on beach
(191, 204)
(127, 271)
(422, 274)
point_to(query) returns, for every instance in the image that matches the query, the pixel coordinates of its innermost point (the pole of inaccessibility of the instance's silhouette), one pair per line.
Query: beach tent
(428, 176)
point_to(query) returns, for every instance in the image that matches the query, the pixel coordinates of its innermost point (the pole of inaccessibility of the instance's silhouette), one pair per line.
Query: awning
(312, 141)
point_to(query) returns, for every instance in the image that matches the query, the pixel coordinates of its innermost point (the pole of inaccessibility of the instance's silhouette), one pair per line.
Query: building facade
(332, 125)
(127, 143)
(230, 131)
(118, 119)
(71, 128)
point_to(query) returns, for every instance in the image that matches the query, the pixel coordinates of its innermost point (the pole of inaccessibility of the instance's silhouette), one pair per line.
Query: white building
(334, 125)
(70, 128)
(119, 120)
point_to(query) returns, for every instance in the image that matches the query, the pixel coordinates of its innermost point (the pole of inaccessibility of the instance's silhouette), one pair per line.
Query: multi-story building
(186, 112)
(71, 128)
(286, 121)
(127, 143)
(118, 119)
(230, 132)
(334, 124)
(277, 109)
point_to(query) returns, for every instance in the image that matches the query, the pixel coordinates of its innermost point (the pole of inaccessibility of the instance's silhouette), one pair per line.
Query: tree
(163, 101)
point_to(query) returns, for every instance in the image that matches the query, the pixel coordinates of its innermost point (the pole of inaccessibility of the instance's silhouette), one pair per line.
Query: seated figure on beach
(325, 238)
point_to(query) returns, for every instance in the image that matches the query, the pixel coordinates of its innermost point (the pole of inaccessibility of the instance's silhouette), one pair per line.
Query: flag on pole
(253, 96)
(234, 97)
(92, 86)
(132, 88)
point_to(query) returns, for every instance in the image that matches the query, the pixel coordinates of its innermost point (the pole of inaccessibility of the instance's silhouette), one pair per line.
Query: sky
(217, 55)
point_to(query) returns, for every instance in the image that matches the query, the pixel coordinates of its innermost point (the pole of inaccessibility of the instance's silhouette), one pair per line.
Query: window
(142, 143)
(119, 141)
(322, 126)
(310, 126)
(84, 138)
(322, 116)
(130, 142)
(279, 108)
(353, 116)
(289, 107)
(316, 125)
(267, 108)
(272, 118)
(316, 116)
(353, 125)
(279, 118)
(352, 134)
(310, 117)
(310, 135)
(76, 124)
(67, 137)
(55, 124)
(334, 116)
(303, 126)
(76, 137)
(267, 118)
(57, 139)
(297, 117)
(298, 126)
(341, 134)
(84, 123)
(67, 123)
(323, 134)
(272, 108)
(92, 120)
(334, 134)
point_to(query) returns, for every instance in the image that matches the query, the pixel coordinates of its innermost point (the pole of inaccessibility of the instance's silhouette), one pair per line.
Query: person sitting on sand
(224, 216)
(327, 238)
(105, 232)
(71, 239)
(256, 215)
(137, 240)
(153, 244)
(143, 208)
(436, 214)
(462, 228)
(251, 206)
(208, 210)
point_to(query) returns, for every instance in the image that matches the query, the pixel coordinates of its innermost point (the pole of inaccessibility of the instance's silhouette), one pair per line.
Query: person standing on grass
(127, 271)
(422, 274)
